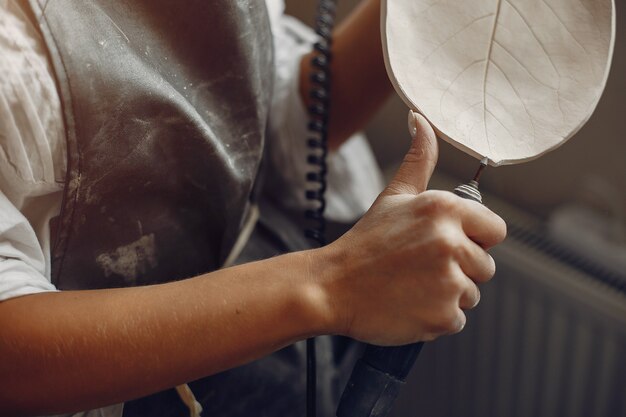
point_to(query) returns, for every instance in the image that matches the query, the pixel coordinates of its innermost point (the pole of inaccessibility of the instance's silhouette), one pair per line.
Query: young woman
(139, 128)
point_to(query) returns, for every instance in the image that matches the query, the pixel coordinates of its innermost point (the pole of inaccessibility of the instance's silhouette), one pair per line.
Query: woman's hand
(402, 274)
(408, 268)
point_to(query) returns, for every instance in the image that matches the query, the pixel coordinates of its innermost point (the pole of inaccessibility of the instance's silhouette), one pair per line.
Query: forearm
(404, 273)
(359, 79)
(78, 350)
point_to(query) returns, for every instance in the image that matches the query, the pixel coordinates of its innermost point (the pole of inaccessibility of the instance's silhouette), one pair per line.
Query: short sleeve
(22, 262)
(32, 155)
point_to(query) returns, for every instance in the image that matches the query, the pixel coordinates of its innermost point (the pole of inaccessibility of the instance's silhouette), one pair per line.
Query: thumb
(419, 162)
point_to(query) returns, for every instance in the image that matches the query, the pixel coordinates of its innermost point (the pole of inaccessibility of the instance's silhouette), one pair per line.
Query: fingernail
(462, 326)
(413, 121)
(493, 265)
(477, 300)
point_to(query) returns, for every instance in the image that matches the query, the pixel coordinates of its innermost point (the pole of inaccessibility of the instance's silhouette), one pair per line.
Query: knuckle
(402, 185)
(460, 323)
(453, 287)
(478, 296)
(499, 228)
(435, 329)
(472, 298)
(503, 228)
(486, 269)
(429, 337)
(416, 153)
(448, 322)
(446, 245)
(462, 251)
(437, 202)
(491, 268)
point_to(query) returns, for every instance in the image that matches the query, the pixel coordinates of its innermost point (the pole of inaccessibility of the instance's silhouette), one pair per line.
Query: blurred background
(549, 338)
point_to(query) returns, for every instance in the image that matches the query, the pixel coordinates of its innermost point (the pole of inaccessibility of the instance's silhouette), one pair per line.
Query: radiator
(548, 339)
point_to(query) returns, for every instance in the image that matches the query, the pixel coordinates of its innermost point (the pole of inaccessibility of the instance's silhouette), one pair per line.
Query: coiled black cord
(317, 141)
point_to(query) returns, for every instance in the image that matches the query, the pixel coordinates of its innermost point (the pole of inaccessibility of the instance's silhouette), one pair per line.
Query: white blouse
(33, 156)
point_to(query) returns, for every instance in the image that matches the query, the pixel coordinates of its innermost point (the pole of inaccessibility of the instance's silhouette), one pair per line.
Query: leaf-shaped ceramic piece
(503, 79)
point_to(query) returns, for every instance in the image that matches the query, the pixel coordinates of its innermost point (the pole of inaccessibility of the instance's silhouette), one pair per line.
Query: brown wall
(598, 149)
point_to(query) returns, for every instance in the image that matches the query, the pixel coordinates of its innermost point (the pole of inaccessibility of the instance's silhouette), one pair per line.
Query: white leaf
(503, 79)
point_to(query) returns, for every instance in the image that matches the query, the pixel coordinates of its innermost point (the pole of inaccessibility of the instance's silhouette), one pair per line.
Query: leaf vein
(471, 64)
(534, 35)
(500, 123)
(454, 35)
(486, 72)
(532, 123)
(564, 26)
(524, 66)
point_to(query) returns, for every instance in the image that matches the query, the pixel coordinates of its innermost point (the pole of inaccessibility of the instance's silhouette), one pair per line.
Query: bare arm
(360, 84)
(77, 350)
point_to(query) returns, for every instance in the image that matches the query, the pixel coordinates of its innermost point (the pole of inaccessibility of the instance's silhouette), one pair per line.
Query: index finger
(481, 224)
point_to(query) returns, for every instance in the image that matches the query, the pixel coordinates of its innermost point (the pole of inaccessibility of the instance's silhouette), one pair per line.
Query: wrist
(324, 270)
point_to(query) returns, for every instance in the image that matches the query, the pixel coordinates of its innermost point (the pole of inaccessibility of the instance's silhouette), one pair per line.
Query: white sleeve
(32, 162)
(22, 262)
(354, 178)
(32, 155)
